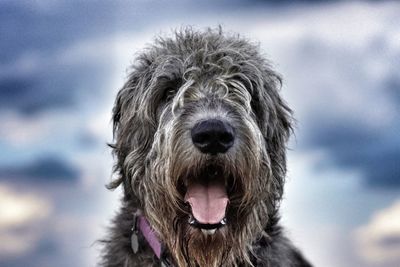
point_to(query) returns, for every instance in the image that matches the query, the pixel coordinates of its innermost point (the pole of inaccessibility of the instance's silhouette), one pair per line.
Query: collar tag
(134, 243)
(134, 237)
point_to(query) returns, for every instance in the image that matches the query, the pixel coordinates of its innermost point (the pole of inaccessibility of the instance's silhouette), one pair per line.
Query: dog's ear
(133, 128)
(276, 121)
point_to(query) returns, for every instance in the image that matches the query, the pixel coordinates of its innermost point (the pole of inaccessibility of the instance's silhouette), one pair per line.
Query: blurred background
(61, 64)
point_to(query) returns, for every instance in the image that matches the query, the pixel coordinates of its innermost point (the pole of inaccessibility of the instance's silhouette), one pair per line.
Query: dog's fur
(173, 84)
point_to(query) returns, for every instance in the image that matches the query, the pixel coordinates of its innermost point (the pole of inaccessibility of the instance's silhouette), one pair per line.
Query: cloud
(374, 152)
(54, 85)
(53, 129)
(51, 26)
(47, 169)
(20, 214)
(339, 79)
(31, 94)
(35, 74)
(35, 231)
(19, 209)
(379, 241)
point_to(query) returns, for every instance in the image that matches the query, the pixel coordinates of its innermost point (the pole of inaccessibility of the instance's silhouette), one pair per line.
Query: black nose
(213, 136)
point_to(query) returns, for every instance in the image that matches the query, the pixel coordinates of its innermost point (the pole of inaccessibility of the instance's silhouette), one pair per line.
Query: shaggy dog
(200, 136)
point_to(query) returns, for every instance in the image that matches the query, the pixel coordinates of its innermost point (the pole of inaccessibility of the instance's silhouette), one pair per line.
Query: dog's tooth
(192, 220)
(208, 232)
(223, 222)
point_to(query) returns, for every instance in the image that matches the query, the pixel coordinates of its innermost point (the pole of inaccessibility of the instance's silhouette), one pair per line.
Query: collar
(140, 224)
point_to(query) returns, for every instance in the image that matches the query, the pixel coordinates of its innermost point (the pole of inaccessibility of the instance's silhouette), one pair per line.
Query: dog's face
(200, 138)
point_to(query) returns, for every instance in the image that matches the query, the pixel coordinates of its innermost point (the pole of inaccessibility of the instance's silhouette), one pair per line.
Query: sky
(62, 63)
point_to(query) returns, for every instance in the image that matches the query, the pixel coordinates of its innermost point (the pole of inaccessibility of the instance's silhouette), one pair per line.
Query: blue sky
(61, 65)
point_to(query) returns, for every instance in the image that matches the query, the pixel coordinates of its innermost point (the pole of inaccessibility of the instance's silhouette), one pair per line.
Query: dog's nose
(213, 136)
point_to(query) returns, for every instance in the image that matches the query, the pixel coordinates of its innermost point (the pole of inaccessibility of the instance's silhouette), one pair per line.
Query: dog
(200, 135)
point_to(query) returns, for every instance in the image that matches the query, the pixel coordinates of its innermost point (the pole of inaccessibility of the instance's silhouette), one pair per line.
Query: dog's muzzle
(206, 192)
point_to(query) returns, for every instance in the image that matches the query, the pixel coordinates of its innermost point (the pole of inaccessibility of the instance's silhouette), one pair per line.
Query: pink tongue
(208, 202)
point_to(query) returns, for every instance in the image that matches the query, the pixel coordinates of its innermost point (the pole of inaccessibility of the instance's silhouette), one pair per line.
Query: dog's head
(200, 135)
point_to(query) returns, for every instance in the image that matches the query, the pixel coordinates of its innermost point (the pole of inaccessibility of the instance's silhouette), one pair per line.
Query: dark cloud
(29, 96)
(390, 241)
(29, 26)
(44, 32)
(392, 86)
(54, 86)
(47, 169)
(376, 153)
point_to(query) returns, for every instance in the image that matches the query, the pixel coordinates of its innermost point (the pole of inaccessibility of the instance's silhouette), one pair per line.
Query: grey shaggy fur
(174, 83)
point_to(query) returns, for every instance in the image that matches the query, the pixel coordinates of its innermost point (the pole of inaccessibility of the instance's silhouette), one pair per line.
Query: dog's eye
(169, 93)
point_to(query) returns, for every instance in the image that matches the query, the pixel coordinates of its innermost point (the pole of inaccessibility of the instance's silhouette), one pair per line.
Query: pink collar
(141, 224)
(149, 235)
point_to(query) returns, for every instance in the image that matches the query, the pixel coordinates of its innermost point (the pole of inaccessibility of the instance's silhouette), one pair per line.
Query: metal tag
(134, 236)
(134, 243)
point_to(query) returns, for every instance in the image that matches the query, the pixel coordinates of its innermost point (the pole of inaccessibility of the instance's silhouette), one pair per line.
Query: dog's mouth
(207, 196)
